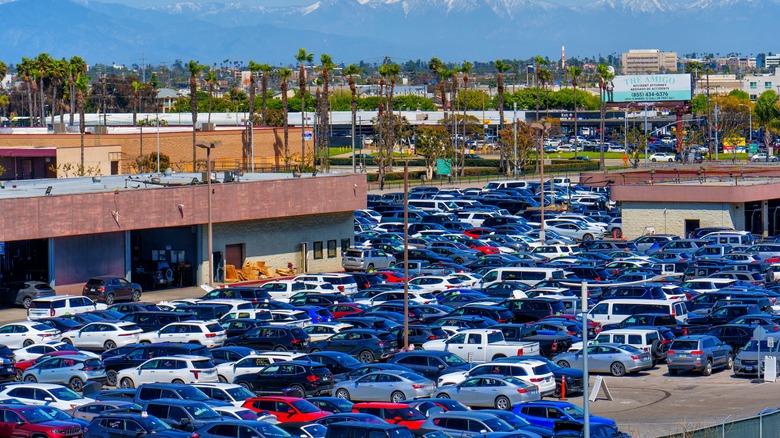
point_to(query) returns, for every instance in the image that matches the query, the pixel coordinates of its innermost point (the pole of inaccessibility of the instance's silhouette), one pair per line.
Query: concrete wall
(669, 217)
(97, 159)
(277, 242)
(77, 258)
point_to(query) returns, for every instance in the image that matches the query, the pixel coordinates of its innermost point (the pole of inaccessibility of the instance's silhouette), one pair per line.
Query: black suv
(253, 294)
(132, 356)
(533, 309)
(121, 425)
(275, 338)
(150, 321)
(365, 345)
(309, 378)
(205, 311)
(155, 391)
(496, 313)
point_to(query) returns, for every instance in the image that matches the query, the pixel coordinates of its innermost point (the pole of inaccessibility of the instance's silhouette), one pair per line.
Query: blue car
(317, 314)
(547, 413)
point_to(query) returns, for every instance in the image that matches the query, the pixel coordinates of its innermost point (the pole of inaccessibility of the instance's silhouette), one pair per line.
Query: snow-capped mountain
(351, 30)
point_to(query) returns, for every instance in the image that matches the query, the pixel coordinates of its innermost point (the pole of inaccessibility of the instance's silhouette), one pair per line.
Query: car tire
(315, 350)
(564, 364)
(109, 345)
(729, 362)
(178, 382)
(397, 397)
(136, 295)
(76, 384)
(503, 403)
(443, 395)
(617, 369)
(299, 389)
(222, 379)
(587, 237)
(246, 385)
(618, 232)
(111, 377)
(280, 348)
(370, 267)
(366, 356)
(653, 160)
(458, 261)
(342, 393)
(127, 383)
(110, 299)
(27, 302)
(707, 370)
(30, 379)
(27, 343)
(19, 374)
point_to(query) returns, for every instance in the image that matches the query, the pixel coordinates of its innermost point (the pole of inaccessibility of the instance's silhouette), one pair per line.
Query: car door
(86, 337)
(45, 370)
(149, 371)
(364, 388)
(274, 378)
(124, 289)
(341, 342)
(469, 391)
(9, 337)
(8, 422)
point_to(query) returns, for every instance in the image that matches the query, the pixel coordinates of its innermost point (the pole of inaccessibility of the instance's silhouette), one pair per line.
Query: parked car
(101, 336)
(305, 377)
(123, 425)
(366, 259)
(182, 414)
(701, 353)
(91, 410)
(21, 293)
(365, 345)
(286, 409)
(390, 412)
(465, 424)
(385, 385)
(72, 370)
(132, 356)
(107, 289)
(25, 333)
(209, 334)
(243, 428)
(61, 305)
(615, 359)
(171, 369)
(491, 391)
(33, 421)
(431, 364)
(276, 338)
(44, 394)
(547, 413)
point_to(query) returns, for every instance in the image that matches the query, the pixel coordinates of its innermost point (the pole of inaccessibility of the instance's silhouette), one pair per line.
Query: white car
(436, 283)
(253, 363)
(662, 156)
(35, 351)
(44, 394)
(103, 336)
(238, 413)
(467, 279)
(761, 156)
(579, 231)
(208, 333)
(226, 392)
(61, 305)
(321, 332)
(235, 305)
(25, 333)
(416, 296)
(169, 369)
(531, 371)
(283, 290)
(292, 318)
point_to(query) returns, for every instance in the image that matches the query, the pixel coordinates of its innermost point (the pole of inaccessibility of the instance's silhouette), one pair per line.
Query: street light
(209, 146)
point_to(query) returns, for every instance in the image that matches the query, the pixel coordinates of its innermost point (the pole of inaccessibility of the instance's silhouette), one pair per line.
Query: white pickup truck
(482, 345)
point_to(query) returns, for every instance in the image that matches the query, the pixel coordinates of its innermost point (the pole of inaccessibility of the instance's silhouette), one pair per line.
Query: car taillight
(101, 289)
(312, 378)
(696, 353)
(418, 386)
(211, 335)
(51, 312)
(522, 391)
(670, 352)
(519, 351)
(296, 341)
(381, 343)
(432, 337)
(636, 357)
(665, 341)
(195, 373)
(554, 346)
(46, 335)
(341, 288)
(537, 379)
(674, 312)
(194, 435)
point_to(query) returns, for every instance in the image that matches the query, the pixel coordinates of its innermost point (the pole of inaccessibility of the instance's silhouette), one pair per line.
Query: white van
(733, 238)
(616, 310)
(433, 205)
(529, 276)
(511, 184)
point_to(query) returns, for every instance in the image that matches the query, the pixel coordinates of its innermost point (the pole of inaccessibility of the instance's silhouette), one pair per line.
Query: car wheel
(397, 397)
(617, 369)
(178, 382)
(391, 265)
(503, 403)
(280, 348)
(653, 160)
(707, 370)
(671, 160)
(27, 343)
(245, 385)
(342, 393)
(136, 295)
(730, 362)
(366, 356)
(110, 299)
(443, 395)
(458, 261)
(30, 379)
(26, 302)
(67, 341)
(370, 267)
(19, 374)
(298, 389)
(109, 345)
(587, 237)
(315, 350)
(222, 379)
(127, 383)
(564, 364)
(618, 232)
(76, 384)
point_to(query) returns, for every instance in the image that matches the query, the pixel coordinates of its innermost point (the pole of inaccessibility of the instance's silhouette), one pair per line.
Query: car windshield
(453, 360)
(37, 415)
(305, 407)
(684, 345)
(190, 393)
(214, 327)
(573, 411)
(154, 424)
(411, 414)
(240, 393)
(203, 364)
(55, 413)
(414, 377)
(202, 412)
(514, 380)
(245, 414)
(271, 431)
(64, 394)
(752, 345)
(401, 432)
(40, 327)
(498, 425)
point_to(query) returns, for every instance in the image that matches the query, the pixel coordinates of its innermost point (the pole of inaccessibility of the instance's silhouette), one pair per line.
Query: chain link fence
(763, 425)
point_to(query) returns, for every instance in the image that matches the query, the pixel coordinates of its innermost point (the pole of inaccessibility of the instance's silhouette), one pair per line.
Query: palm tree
(303, 57)
(253, 68)
(767, 113)
(284, 75)
(3, 69)
(76, 66)
(501, 67)
(545, 77)
(445, 75)
(81, 84)
(195, 68)
(466, 70)
(434, 65)
(538, 62)
(575, 73)
(605, 77)
(43, 63)
(57, 73)
(351, 71)
(25, 71)
(211, 81)
(327, 65)
(266, 69)
(136, 89)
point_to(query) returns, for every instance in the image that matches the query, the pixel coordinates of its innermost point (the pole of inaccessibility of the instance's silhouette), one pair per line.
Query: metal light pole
(209, 146)
(585, 374)
(717, 142)
(353, 145)
(646, 161)
(406, 255)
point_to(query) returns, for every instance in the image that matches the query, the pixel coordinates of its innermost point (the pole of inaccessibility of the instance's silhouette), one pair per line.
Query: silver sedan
(395, 386)
(616, 359)
(500, 392)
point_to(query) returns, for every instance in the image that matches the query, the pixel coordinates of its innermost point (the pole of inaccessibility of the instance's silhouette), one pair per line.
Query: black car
(253, 294)
(140, 353)
(153, 320)
(306, 377)
(496, 313)
(204, 311)
(132, 307)
(105, 426)
(735, 335)
(315, 299)
(363, 344)
(654, 319)
(62, 324)
(533, 309)
(7, 362)
(107, 289)
(238, 326)
(419, 334)
(275, 338)
(155, 391)
(431, 364)
(723, 314)
(337, 362)
(366, 280)
(181, 414)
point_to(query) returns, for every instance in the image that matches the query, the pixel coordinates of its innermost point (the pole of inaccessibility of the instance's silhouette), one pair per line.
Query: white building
(754, 85)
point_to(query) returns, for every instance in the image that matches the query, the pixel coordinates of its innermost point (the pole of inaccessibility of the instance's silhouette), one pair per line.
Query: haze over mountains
(352, 30)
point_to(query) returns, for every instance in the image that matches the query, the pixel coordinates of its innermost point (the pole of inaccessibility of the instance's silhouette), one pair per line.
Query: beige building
(648, 61)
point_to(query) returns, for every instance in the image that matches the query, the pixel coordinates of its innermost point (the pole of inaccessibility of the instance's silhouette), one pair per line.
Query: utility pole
(717, 127)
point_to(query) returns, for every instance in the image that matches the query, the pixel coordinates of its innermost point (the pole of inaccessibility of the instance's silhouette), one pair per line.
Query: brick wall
(669, 217)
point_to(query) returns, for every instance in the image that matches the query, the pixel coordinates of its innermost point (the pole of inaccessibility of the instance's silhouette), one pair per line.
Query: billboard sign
(649, 88)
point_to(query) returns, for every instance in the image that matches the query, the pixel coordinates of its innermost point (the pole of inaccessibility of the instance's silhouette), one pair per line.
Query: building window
(317, 250)
(345, 244)
(768, 85)
(753, 85)
(331, 249)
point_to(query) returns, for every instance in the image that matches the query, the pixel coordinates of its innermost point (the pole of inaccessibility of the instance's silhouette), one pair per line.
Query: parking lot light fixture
(209, 146)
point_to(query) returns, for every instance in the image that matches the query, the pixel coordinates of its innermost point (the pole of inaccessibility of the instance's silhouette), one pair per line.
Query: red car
(594, 325)
(476, 233)
(341, 310)
(30, 421)
(392, 275)
(393, 413)
(286, 409)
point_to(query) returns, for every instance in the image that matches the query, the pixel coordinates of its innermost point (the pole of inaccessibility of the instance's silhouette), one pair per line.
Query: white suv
(531, 371)
(343, 282)
(208, 333)
(252, 364)
(63, 305)
(169, 369)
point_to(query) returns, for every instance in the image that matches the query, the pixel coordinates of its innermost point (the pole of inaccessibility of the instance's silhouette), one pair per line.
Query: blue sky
(257, 2)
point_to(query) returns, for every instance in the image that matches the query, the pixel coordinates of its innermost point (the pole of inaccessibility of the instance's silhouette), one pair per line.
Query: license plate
(10, 369)
(748, 368)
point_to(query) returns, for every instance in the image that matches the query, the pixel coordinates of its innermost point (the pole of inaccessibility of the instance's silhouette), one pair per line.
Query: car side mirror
(441, 367)
(290, 413)
(48, 399)
(20, 423)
